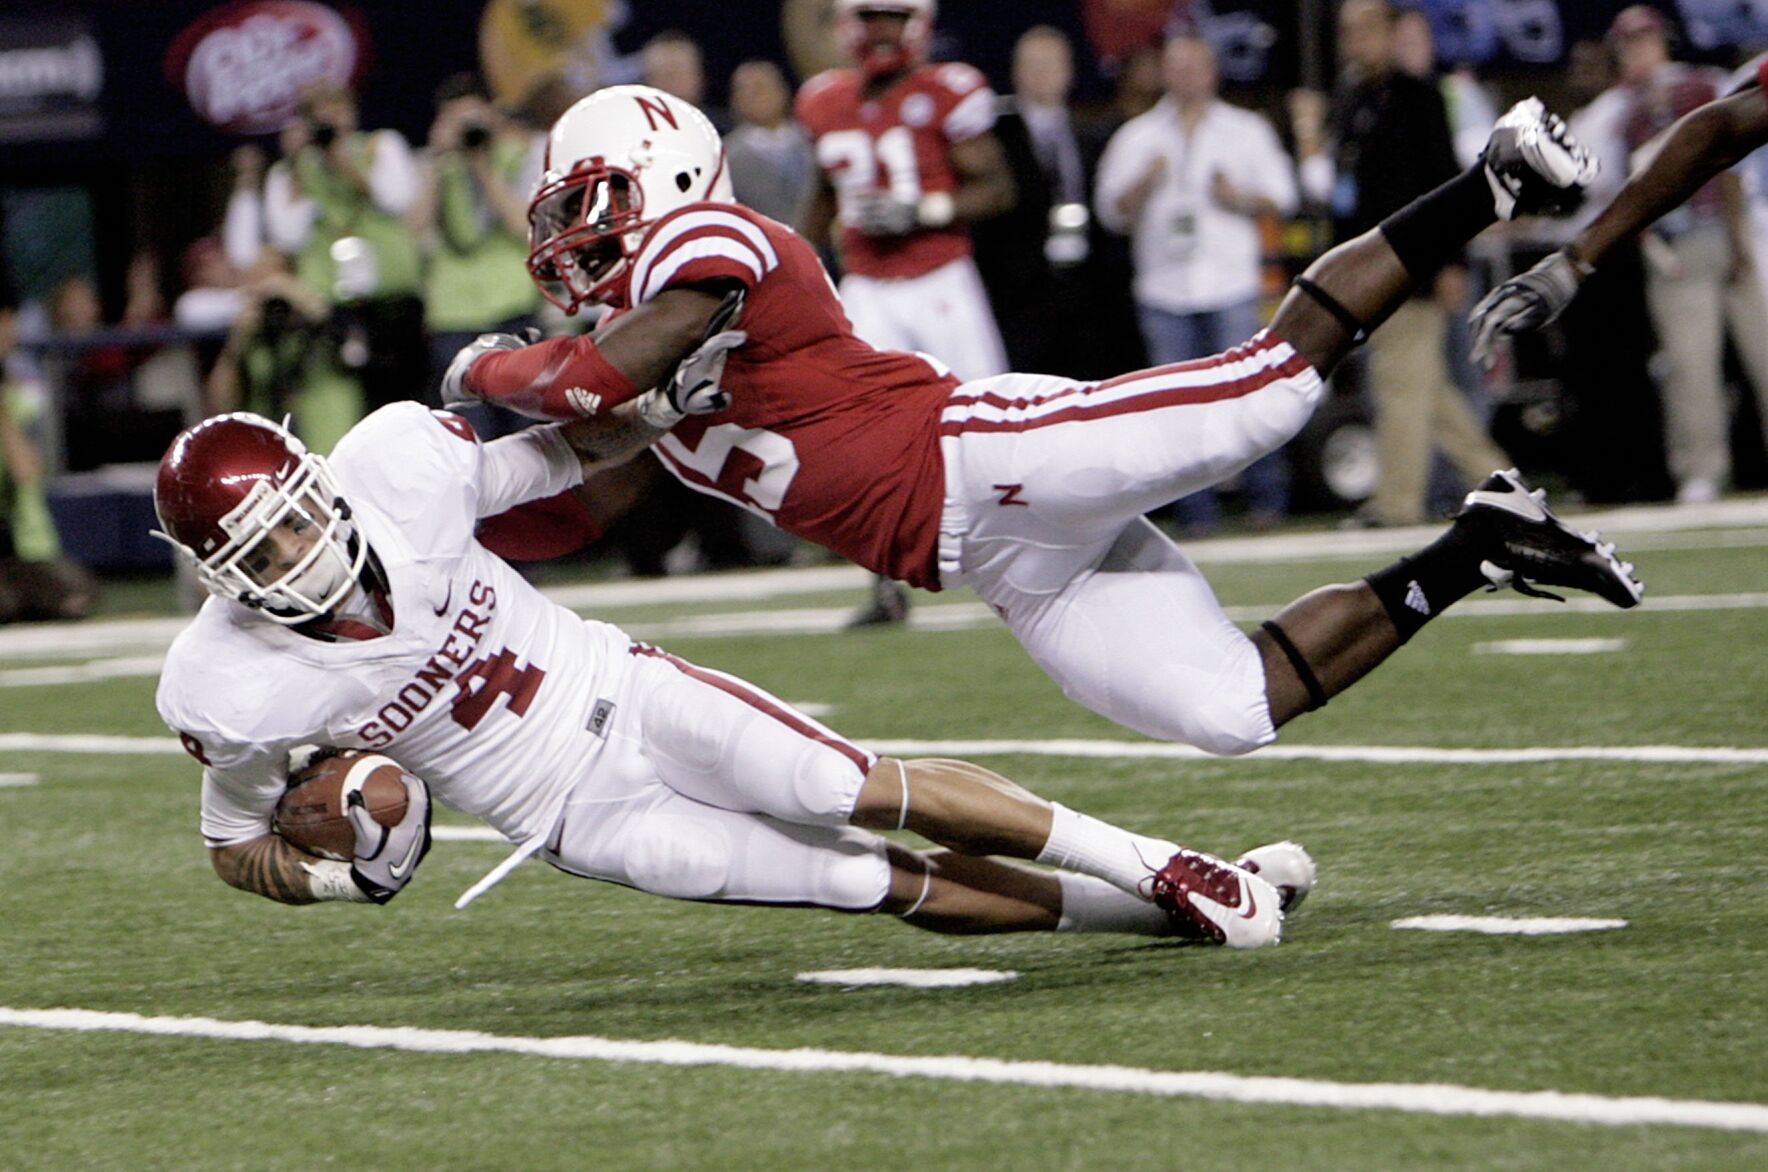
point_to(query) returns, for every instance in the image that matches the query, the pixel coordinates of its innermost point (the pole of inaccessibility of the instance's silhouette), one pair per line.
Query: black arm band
(1316, 694)
(1331, 305)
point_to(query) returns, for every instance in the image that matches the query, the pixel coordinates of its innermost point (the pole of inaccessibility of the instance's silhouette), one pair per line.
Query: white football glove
(1534, 164)
(455, 388)
(1525, 302)
(694, 387)
(386, 856)
(877, 213)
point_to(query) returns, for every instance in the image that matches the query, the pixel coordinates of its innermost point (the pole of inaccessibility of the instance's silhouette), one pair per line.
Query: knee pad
(825, 785)
(683, 858)
(855, 875)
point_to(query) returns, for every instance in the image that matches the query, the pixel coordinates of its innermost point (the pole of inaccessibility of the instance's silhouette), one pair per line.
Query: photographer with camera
(335, 203)
(471, 218)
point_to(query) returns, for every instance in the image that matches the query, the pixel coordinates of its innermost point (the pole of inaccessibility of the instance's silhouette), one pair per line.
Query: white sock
(1085, 844)
(1093, 905)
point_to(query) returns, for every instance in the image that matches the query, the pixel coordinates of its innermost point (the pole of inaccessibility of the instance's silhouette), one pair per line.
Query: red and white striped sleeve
(703, 242)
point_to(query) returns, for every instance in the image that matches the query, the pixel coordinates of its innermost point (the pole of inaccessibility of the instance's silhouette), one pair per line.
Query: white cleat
(1287, 866)
(1217, 902)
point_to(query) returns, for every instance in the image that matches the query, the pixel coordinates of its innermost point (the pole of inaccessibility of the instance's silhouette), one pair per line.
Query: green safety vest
(25, 506)
(478, 270)
(344, 211)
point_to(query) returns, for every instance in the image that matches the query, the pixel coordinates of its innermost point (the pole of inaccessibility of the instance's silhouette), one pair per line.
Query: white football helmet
(616, 163)
(259, 517)
(877, 58)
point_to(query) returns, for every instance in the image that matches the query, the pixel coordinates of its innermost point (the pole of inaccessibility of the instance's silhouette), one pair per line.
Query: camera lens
(475, 136)
(324, 134)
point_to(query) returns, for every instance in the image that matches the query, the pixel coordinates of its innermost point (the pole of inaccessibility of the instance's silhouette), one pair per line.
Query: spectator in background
(907, 160)
(212, 298)
(1036, 258)
(36, 582)
(1188, 181)
(103, 420)
(1471, 115)
(471, 219)
(282, 358)
(768, 154)
(1699, 273)
(1391, 144)
(1469, 107)
(335, 203)
(672, 62)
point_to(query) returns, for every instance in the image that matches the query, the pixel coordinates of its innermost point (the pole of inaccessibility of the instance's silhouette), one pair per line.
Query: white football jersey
(484, 688)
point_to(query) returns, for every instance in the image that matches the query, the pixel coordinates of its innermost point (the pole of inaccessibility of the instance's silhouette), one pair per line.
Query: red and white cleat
(1216, 902)
(1284, 865)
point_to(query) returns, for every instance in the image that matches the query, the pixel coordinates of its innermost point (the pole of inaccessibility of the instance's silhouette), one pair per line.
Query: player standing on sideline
(1030, 489)
(354, 608)
(1702, 144)
(907, 158)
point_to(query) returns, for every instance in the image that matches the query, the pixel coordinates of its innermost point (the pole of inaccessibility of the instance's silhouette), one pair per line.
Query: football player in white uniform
(353, 608)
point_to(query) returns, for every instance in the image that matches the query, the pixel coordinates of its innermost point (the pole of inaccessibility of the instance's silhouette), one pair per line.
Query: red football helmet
(880, 57)
(260, 518)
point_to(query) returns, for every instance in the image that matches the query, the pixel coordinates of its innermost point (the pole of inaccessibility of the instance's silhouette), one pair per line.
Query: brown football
(311, 812)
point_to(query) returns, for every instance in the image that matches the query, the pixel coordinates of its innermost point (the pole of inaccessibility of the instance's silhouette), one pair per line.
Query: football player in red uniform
(1701, 145)
(907, 159)
(1029, 489)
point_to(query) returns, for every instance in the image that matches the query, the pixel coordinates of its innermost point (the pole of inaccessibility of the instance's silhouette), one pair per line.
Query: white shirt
(484, 688)
(1191, 254)
(392, 185)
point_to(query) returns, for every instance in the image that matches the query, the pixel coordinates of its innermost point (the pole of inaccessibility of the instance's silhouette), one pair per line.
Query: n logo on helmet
(654, 109)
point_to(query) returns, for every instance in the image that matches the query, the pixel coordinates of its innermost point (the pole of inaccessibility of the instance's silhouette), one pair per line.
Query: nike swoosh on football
(403, 866)
(443, 609)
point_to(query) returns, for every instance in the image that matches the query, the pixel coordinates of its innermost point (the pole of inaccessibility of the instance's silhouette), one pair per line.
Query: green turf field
(107, 904)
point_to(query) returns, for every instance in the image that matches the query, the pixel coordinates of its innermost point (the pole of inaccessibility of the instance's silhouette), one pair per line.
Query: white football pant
(944, 313)
(1047, 480)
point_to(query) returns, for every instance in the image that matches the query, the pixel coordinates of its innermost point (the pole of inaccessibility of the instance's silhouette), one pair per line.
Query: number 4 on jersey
(496, 675)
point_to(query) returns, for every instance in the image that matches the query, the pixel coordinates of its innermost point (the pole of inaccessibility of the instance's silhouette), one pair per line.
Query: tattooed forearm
(611, 438)
(266, 866)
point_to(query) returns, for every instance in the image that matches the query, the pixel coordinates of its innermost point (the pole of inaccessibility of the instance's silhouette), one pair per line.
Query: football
(311, 813)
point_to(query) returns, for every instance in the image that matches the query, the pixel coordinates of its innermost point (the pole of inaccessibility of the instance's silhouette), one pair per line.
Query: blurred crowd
(350, 265)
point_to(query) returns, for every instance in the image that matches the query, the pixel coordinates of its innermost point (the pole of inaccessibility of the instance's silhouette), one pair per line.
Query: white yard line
(1369, 754)
(1679, 528)
(951, 616)
(83, 673)
(18, 780)
(1507, 926)
(1417, 1098)
(1550, 647)
(907, 978)
(1077, 747)
(466, 834)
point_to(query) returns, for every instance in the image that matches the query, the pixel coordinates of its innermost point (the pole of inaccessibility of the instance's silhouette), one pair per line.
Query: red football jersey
(897, 142)
(825, 436)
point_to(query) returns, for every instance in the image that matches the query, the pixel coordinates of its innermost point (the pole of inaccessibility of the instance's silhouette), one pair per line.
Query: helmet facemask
(303, 517)
(577, 232)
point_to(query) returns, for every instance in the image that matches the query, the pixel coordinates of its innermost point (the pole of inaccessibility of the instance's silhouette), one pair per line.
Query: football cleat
(1533, 163)
(1287, 866)
(1216, 902)
(1525, 546)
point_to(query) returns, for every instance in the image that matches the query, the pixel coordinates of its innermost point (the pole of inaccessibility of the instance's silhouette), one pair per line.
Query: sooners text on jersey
(897, 142)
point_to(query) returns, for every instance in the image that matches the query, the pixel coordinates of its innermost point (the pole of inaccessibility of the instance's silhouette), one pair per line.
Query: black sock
(1418, 588)
(1431, 231)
